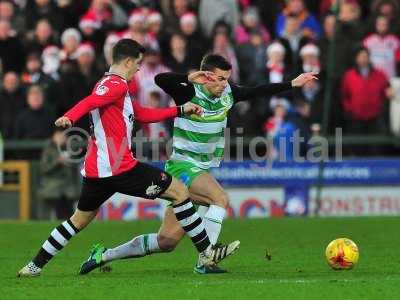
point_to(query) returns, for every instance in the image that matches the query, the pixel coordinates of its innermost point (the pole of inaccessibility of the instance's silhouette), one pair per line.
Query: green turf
(297, 270)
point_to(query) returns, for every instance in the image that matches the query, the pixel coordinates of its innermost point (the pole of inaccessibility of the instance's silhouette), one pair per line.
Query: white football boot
(215, 253)
(30, 270)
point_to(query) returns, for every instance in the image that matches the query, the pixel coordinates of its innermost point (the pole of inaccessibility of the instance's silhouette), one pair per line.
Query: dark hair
(126, 48)
(213, 61)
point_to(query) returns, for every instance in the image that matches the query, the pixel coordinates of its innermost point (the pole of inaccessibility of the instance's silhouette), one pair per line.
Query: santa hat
(136, 16)
(89, 21)
(188, 18)
(275, 47)
(309, 49)
(70, 32)
(154, 17)
(51, 59)
(85, 48)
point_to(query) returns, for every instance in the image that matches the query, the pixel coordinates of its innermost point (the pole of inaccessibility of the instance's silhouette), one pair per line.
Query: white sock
(141, 245)
(213, 222)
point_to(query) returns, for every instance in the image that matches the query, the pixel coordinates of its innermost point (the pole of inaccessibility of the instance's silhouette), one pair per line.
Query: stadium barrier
(22, 187)
(351, 188)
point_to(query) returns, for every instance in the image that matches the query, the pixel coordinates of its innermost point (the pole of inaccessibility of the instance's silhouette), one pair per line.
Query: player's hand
(202, 77)
(302, 79)
(63, 122)
(191, 108)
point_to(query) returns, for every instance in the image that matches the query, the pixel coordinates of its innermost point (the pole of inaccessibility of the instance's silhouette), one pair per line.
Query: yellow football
(342, 254)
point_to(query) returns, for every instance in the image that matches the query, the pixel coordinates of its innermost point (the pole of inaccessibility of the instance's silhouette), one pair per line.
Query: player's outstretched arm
(153, 115)
(107, 92)
(241, 93)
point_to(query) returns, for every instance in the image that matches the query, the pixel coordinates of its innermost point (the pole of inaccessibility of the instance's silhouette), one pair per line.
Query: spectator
(41, 38)
(310, 59)
(196, 43)
(33, 74)
(151, 66)
(349, 32)
(9, 12)
(324, 44)
(252, 59)
(59, 184)
(37, 10)
(311, 94)
(211, 11)
(179, 59)
(308, 23)
(388, 8)
(78, 82)
(276, 71)
(293, 39)
(108, 13)
(250, 22)
(12, 101)
(173, 11)
(11, 53)
(280, 131)
(383, 47)
(70, 40)
(137, 30)
(222, 46)
(364, 92)
(154, 24)
(51, 62)
(33, 122)
(91, 31)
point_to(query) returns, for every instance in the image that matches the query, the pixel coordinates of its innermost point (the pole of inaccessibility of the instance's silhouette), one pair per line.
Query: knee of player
(166, 244)
(181, 192)
(221, 199)
(79, 221)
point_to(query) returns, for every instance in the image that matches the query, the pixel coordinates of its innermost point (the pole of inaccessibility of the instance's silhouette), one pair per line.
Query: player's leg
(94, 193)
(206, 189)
(165, 240)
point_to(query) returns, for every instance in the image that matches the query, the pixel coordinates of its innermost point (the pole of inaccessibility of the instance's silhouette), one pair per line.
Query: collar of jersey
(207, 95)
(113, 74)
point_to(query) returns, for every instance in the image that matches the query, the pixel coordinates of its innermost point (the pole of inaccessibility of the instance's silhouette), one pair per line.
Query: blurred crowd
(52, 52)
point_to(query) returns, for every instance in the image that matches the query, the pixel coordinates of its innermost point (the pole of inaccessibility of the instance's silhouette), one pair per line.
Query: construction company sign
(245, 203)
(357, 201)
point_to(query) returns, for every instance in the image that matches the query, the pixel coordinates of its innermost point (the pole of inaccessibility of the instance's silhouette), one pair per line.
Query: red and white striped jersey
(112, 113)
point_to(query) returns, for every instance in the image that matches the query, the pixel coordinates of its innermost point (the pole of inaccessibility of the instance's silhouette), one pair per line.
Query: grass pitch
(297, 269)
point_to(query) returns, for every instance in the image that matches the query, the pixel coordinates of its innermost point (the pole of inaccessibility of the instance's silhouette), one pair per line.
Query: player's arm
(176, 85)
(241, 93)
(153, 115)
(105, 94)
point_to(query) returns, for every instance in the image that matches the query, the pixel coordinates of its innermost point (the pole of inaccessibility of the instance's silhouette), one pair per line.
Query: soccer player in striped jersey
(110, 166)
(198, 145)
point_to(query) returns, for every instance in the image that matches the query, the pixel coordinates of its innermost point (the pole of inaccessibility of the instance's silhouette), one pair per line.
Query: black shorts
(143, 181)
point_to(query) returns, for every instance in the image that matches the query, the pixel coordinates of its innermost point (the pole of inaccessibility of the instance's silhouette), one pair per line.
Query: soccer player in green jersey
(198, 145)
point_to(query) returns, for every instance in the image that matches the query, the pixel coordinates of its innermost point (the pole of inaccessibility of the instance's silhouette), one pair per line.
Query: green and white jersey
(200, 139)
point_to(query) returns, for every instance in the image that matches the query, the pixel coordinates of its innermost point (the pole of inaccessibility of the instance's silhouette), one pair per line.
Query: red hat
(136, 16)
(154, 17)
(89, 21)
(85, 48)
(188, 18)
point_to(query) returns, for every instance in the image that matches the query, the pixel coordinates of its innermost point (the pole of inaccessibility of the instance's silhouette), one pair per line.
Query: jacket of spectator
(33, 122)
(364, 96)
(11, 53)
(12, 101)
(308, 22)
